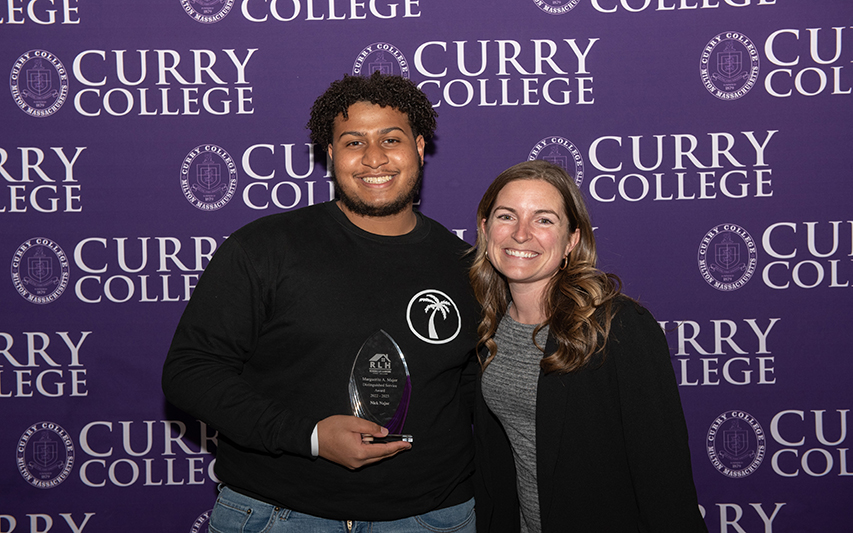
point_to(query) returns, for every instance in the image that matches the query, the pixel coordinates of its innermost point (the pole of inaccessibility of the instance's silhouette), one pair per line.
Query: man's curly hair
(394, 91)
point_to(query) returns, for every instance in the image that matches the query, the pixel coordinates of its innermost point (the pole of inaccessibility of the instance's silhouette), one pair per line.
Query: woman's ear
(574, 239)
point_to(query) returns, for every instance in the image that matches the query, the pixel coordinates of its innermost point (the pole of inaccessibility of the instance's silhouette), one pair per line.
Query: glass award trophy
(380, 386)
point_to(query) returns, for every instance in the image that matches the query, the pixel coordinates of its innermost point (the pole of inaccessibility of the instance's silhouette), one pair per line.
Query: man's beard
(398, 205)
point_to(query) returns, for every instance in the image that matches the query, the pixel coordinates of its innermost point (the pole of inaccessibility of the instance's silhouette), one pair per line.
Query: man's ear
(421, 144)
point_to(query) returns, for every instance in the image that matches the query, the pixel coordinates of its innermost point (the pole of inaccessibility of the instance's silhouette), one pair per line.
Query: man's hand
(340, 441)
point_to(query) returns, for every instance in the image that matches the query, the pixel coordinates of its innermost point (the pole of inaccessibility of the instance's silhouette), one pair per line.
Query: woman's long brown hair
(578, 303)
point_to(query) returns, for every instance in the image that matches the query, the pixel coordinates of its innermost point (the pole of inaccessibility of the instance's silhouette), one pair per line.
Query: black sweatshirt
(266, 345)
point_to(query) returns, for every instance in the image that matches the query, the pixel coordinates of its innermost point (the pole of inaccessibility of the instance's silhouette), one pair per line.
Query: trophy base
(387, 438)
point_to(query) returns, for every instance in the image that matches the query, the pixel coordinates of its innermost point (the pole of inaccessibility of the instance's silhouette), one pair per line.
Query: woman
(578, 424)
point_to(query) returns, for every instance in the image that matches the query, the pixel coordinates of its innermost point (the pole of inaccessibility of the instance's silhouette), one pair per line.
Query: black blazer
(611, 443)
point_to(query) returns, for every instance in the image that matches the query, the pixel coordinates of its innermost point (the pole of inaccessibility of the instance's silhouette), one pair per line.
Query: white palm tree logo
(435, 305)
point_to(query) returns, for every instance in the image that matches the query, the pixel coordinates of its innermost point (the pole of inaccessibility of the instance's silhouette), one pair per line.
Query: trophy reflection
(380, 386)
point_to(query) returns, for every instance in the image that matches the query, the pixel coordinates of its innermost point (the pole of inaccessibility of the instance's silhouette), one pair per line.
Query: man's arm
(203, 372)
(468, 381)
(216, 335)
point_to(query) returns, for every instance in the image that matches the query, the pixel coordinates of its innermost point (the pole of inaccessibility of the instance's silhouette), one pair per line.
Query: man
(264, 350)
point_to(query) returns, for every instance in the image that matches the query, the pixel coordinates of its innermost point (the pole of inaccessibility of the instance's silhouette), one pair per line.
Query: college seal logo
(200, 524)
(207, 11)
(383, 57)
(736, 444)
(40, 270)
(727, 257)
(562, 153)
(433, 317)
(729, 65)
(45, 455)
(39, 83)
(556, 7)
(208, 177)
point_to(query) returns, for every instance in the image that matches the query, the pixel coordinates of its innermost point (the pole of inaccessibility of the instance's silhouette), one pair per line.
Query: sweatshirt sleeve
(216, 335)
(653, 424)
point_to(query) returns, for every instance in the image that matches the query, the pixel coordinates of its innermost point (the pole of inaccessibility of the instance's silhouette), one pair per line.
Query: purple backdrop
(712, 138)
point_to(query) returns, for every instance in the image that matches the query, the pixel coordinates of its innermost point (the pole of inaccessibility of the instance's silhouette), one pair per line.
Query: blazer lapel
(551, 406)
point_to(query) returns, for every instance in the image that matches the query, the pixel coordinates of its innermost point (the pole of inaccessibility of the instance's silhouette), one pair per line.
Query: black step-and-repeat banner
(712, 139)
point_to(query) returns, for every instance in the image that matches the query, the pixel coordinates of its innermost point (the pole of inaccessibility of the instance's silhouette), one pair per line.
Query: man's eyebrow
(383, 131)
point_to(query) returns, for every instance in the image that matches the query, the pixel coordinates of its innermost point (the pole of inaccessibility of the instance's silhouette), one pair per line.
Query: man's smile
(376, 180)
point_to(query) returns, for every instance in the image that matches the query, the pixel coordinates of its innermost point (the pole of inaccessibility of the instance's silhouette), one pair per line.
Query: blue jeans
(236, 513)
